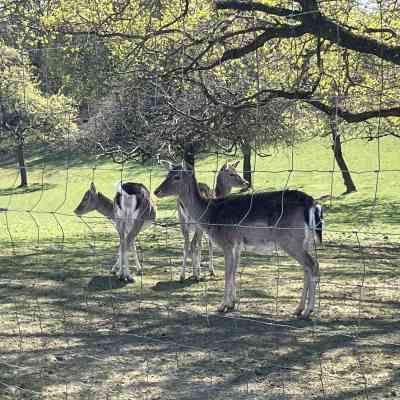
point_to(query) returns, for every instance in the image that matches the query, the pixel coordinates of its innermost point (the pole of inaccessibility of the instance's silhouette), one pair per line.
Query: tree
(26, 114)
(292, 52)
(207, 40)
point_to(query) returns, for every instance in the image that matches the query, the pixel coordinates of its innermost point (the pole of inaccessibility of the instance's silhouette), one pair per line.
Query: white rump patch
(128, 210)
(310, 236)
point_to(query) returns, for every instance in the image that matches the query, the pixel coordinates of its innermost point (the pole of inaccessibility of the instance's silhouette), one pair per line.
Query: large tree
(319, 34)
(341, 58)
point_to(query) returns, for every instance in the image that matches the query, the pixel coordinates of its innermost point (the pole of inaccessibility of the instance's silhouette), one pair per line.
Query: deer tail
(314, 218)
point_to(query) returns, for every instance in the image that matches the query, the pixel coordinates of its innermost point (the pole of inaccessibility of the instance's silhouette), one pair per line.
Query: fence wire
(71, 330)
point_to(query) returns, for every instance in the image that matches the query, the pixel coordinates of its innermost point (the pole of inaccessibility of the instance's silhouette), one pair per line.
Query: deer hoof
(298, 311)
(225, 308)
(195, 278)
(115, 269)
(212, 274)
(304, 316)
(126, 278)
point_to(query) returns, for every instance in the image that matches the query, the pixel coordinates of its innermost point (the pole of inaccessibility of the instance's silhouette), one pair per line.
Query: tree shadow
(163, 336)
(100, 283)
(364, 212)
(176, 285)
(34, 187)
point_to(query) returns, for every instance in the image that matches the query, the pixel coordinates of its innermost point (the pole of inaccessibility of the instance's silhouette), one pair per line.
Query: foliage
(25, 112)
(155, 118)
(224, 71)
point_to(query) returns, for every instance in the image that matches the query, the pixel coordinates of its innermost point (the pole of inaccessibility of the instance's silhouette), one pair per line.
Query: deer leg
(123, 273)
(116, 269)
(139, 267)
(313, 281)
(310, 281)
(211, 258)
(131, 242)
(232, 259)
(300, 308)
(186, 245)
(117, 265)
(195, 249)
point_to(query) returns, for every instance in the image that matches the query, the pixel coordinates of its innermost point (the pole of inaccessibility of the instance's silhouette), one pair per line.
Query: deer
(227, 179)
(258, 221)
(131, 211)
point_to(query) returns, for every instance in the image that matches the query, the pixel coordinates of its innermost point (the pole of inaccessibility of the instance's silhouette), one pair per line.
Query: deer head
(175, 181)
(229, 178)
(88, 202)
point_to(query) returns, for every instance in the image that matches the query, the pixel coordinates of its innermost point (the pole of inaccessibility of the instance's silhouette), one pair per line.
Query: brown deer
(131, 212)
(290, 219)
(227, 179)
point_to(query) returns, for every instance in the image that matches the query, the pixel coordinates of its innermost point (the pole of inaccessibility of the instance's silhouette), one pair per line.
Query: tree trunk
(189, 154)
(246, 151)
(337, 151)
(21, 165)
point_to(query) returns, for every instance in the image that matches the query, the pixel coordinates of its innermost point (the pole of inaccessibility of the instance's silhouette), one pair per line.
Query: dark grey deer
(227, 179)
(131, 212)
(290, 219)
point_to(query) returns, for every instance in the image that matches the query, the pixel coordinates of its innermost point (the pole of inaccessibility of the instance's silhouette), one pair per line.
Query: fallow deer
(290, 219)
(227, 179)
(131, 212)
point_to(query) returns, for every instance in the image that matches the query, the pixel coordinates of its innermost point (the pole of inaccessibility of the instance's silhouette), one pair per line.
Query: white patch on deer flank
(128, 211)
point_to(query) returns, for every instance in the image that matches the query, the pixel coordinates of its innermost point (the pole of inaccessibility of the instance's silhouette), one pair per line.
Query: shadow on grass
(50, 157)
(34, 187)
(175, 285)
(163, 337)
(364, 212)
(99, 283)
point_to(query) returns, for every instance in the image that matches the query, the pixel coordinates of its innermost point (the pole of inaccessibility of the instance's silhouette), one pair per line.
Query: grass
(69, 330)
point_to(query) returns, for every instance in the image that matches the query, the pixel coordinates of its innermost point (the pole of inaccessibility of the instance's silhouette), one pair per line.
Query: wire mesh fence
(72, 330)
(69, 329)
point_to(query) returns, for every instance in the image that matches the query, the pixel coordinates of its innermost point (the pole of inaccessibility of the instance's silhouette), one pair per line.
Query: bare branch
(285, 31)
(315, 23)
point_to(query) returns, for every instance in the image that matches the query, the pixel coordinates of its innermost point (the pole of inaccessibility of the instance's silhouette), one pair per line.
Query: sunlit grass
(73, 331)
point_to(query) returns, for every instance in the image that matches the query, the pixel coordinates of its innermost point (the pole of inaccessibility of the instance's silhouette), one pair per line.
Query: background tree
(280, 54)
(26, 115)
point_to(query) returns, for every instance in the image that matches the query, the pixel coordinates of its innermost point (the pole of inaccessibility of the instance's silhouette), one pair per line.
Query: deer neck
(221, 188)
(105, 206)
(194, 203)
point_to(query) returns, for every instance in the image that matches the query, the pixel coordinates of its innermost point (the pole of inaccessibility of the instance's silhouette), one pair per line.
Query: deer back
(134, 199)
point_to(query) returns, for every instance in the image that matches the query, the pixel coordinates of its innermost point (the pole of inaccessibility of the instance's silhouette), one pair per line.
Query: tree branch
(315, 23)
(355, 117)
(285, 31)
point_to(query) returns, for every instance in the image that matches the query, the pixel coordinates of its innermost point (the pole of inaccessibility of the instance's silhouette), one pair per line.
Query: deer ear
(225, 166)
(92, 188)
(235, 163)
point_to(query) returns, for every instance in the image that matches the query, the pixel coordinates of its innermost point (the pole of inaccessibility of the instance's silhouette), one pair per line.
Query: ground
(69, 330)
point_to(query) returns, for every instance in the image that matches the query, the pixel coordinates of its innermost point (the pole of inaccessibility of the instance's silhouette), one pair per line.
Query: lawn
(69, 330)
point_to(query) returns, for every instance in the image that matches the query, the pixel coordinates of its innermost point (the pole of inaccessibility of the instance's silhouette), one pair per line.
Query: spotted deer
(227, 179)
(131, 211)
(289, 219)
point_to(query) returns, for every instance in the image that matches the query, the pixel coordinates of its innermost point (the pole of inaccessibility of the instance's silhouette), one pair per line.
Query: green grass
(70, 330)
